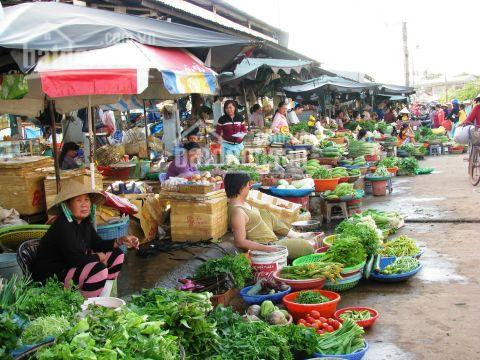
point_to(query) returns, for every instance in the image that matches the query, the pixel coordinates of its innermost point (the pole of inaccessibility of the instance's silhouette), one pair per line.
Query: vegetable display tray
(258, 299)
(357, 355)
(363, 323)
(384, 262)
(290, 192)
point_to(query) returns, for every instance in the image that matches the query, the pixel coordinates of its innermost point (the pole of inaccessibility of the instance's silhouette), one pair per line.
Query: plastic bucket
(264, 264)
(9, 265)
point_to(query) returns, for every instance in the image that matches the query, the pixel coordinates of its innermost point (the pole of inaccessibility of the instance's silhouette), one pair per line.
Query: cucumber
(332, 197)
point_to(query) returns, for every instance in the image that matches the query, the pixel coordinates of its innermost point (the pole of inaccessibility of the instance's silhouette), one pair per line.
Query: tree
(468, 92)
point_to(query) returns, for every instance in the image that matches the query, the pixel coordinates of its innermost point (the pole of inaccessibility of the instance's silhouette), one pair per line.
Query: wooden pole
(91, 143)
(53, 125)
(146, 127)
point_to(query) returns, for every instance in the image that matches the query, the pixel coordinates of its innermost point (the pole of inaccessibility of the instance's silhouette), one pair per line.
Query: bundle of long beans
(316, 270)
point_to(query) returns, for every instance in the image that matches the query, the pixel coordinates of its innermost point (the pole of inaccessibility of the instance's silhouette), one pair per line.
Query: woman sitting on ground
(255, 229)
(185, 165)
(72, 251)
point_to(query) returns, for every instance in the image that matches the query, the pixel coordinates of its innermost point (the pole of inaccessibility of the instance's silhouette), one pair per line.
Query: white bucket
(264, 264)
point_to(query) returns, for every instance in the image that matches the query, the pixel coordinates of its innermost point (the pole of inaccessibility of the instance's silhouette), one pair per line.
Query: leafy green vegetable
(109, 334)
(322, 173)
(44, 326)
(13, 291)
(236, 265)
(311, 297)
(408, 165)
(368, 125)
(365, 231)
(51, 299)
(346, 340)
(389, 162)
(302, 341)
(401, 246)
(9, 334)
(184, 314)
(302, 126)
(347, 251)
(343, 189)
(381, 171)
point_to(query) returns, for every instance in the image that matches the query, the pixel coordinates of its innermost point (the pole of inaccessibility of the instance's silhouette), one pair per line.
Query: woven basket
(345, 284)
(12, 236)
(115, 230)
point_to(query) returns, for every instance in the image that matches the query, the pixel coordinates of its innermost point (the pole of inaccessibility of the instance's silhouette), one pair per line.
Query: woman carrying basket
(72, 251)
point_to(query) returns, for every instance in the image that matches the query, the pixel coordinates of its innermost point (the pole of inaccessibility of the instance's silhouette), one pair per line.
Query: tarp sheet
(52, 26)
(332, 83)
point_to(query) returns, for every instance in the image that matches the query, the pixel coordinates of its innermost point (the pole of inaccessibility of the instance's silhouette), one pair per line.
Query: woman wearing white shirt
(292, 116)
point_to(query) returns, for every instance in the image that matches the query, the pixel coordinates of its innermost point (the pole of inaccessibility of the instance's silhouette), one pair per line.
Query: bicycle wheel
(474, 166)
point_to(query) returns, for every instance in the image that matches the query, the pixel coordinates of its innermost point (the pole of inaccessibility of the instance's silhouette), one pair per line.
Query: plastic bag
(119, 203)
(462, 134)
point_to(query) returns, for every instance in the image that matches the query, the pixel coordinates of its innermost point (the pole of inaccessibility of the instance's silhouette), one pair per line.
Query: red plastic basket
(299, 311)
(363, 323)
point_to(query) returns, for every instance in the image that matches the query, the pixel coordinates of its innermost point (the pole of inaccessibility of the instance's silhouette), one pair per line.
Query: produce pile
(408, 165)
(237, 266)
(347, 339)
(356, 315)
(316, 270)
(357, 161)
(358, 148)
(401, 246)
(381, 172)
(267, 287)
(346, 250)
(341, 190)
(295, 185)
(364, 229)
(401, 265)
(311, 297)
(319, 323)
(388, 162)
(268, 312)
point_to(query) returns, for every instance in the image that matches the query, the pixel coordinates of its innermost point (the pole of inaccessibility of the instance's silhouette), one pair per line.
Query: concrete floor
(435, 315)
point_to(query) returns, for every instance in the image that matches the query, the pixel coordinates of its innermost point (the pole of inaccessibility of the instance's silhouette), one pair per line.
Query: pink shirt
(279, 121)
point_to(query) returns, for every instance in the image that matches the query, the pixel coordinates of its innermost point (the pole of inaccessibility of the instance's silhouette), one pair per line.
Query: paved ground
(434, 315)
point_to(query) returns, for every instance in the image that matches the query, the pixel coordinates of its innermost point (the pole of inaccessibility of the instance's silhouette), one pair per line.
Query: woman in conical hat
(71, 250)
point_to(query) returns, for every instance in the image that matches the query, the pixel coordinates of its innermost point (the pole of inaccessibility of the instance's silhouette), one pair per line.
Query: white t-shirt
(292, 117)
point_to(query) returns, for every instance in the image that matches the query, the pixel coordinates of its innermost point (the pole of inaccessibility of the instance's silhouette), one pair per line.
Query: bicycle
(474, 157)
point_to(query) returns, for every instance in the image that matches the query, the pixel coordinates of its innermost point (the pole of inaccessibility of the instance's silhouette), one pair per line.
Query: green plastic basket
(343, 285)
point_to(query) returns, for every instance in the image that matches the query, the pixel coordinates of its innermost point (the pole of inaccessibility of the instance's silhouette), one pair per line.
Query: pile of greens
(389, 162)
(51, 299)
(10, 332)
(237, 266)
(401, 246)
(110, 334)
(368, 125)
(365, 230)
(322, 173)
(401, 265)
(311, 297)
(302, 126)
(13, 292)
(184, 314)
(408, 165)
(385, 220)
(257, 340)
(251, 171)
(346, 340)
(43, 327)
(381, 172)
(346, 250)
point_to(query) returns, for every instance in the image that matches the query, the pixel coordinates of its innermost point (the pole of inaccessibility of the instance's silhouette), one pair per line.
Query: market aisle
(433, 316)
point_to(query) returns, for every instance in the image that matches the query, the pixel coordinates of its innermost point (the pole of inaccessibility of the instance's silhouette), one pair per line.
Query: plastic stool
(435, 150)
(343, 208)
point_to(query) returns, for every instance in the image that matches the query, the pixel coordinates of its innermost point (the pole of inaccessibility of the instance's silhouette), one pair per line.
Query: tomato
(329, 328)
(325, 325)
(310, 320)
(301, 321)
(322, 319)
(331, 321)
(315, 314)
(318, 324)
(336, 325)
(320, 332)
(301, 324)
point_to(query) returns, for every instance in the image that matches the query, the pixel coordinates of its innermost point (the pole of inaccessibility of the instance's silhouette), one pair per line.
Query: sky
(366, 35)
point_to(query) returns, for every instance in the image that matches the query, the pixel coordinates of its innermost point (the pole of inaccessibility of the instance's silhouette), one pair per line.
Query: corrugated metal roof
(200, 12)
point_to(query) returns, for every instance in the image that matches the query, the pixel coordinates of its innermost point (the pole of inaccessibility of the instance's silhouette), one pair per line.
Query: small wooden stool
(435, 150)
(343, 208)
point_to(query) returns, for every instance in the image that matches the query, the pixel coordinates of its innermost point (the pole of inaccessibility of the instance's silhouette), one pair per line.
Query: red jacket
(474, 117)
(226, 127)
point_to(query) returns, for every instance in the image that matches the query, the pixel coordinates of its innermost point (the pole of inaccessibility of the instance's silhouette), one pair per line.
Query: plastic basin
(343, 179)
(258, 299)
(300, 284)
(384, 262)
(363, 323)
(392, 258)
(291, 192)
(299, 311)
(325, 184)
(329, 240)
(357, 355)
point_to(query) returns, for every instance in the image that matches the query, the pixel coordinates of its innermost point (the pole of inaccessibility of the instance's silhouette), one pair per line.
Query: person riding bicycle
(474, 117)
